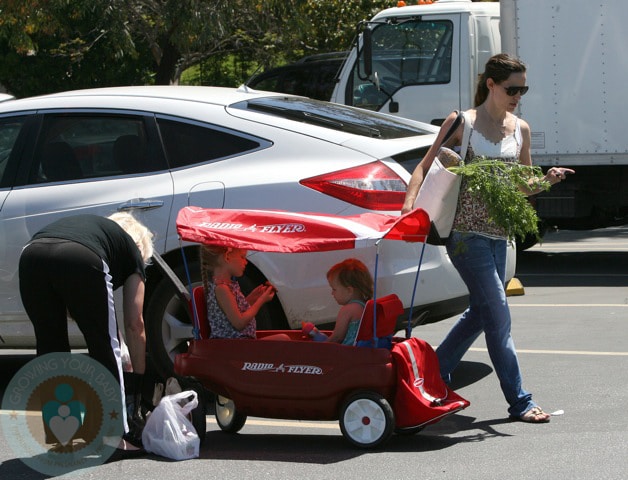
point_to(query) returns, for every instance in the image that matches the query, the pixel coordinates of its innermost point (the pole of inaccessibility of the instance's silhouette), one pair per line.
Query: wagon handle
(197, 328)
(179, 288)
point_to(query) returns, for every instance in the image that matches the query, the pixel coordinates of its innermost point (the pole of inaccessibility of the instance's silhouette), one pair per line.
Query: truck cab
(417, 54)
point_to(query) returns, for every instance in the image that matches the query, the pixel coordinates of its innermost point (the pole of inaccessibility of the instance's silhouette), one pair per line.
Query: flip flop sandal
(534, 415)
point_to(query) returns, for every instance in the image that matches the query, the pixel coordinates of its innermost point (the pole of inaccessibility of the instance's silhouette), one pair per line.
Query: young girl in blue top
(351, 286)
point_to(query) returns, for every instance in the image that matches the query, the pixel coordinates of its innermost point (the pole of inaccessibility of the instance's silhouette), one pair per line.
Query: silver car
(154, 150)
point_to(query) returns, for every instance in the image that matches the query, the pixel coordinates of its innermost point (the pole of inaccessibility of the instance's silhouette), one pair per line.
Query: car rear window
(334, 116)
(191, 144)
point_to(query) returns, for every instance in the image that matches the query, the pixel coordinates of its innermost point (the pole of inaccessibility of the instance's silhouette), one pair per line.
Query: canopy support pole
(377, 245)
(416, 281)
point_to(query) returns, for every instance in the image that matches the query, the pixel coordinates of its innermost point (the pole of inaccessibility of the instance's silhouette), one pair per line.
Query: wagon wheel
(227, 416)
(367, 420)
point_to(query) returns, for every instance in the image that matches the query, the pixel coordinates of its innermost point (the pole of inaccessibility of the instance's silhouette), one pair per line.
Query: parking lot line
(561, 352)
(562, 305)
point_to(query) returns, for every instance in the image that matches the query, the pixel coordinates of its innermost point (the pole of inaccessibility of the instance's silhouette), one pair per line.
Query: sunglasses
(512, 91)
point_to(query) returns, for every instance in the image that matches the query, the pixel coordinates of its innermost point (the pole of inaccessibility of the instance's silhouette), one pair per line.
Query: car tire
(367, 420)
(168, 324)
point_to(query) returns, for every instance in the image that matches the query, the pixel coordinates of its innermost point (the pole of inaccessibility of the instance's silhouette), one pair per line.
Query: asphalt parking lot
(571, 332)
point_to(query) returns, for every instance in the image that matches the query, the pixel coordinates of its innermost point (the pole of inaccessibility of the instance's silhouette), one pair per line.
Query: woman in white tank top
(477, 247)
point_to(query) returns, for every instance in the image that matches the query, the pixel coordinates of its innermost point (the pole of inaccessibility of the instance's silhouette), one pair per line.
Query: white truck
(423, 61)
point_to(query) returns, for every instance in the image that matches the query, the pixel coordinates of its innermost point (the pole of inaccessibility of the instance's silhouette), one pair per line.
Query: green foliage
(504, 187)
(333, 22)
(283, 33)
(52, 45)
(58, 45)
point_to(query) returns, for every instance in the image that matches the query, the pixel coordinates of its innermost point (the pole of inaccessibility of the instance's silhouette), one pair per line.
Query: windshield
(413, 52)
(334, 116)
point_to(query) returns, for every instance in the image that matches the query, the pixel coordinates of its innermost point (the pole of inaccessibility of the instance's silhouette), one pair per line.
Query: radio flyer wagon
(371, 391)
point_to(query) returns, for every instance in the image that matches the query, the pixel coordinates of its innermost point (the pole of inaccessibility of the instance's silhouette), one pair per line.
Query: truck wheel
(227, 416)
(169, 327)
(531, 240)
(367, 420)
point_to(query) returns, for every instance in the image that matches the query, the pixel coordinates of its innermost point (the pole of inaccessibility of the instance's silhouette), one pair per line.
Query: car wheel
(227, 416)
(367, 420)
(168, 324)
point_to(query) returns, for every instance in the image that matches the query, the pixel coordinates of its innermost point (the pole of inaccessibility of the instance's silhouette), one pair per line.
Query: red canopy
(289, 232)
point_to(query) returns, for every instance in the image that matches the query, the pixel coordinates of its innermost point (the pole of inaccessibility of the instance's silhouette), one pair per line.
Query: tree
(83, 43)
(291, 30)
(181, 33)
(52, 45)
(88, 43)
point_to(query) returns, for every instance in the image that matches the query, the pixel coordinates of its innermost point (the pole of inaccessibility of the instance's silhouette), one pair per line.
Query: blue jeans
(481, 262)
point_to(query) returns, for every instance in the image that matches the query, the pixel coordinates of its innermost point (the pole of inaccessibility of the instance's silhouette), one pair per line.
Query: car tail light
(373, 186)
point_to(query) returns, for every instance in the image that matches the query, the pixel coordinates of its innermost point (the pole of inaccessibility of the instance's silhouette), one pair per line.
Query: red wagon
(372, 392)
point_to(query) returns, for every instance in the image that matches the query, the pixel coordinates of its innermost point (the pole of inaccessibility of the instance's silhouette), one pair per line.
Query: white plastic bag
(168, 431)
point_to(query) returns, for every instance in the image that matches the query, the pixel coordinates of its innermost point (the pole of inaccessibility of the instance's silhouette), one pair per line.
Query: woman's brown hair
(499, 67)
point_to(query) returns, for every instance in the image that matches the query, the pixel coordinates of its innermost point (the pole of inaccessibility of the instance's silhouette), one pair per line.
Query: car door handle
(140, 204)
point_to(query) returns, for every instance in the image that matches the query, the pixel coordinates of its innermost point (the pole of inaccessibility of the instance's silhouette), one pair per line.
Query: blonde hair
(353, 273)
(210, 258)
(141, 235)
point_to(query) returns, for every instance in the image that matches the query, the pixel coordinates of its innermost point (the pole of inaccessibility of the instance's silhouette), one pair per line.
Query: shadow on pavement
(15, 468)
(10, 364)
(468, 373)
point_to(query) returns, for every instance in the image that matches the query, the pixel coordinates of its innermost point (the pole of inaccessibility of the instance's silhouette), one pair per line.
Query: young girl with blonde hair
(230, 313)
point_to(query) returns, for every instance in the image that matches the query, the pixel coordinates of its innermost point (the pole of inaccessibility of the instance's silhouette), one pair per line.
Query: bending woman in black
(71, 267)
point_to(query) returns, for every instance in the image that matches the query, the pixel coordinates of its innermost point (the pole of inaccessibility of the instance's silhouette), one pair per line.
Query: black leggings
(60, 276)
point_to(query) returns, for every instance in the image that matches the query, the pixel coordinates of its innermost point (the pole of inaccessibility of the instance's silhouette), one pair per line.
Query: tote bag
(438, 194)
